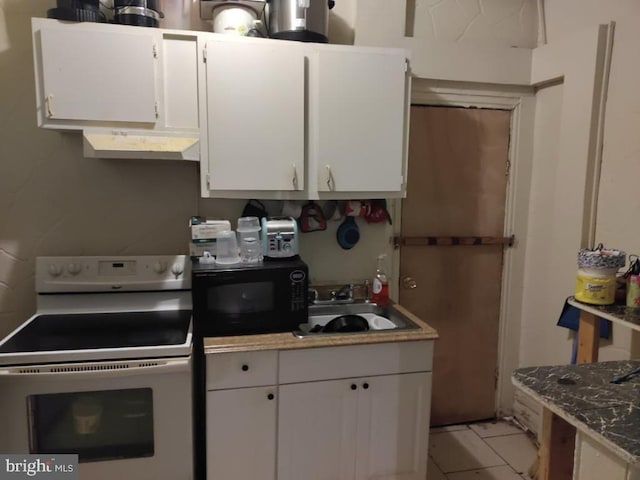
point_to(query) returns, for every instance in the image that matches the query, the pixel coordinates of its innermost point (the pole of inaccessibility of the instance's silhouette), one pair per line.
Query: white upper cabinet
(256, 115)
(357, 120)
(133, 91)
(293, 120)
(266, 118)
(98, 75)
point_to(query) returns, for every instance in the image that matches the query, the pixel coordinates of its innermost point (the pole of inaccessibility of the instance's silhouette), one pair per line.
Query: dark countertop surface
(585, 397)
(620, 314)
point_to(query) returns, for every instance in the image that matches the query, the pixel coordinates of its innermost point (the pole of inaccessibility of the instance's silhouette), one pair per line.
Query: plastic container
(380, 288)
(596, 286)
(227, 248)
(633, 291)
(249, 238)
(596, 277)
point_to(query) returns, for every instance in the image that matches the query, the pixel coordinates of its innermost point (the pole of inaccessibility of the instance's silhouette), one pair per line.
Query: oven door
(124, 419)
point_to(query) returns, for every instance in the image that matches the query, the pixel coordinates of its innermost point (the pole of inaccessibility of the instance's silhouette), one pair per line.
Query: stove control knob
(160, 267)
(74, 268)
(177, 269)
(54, 270)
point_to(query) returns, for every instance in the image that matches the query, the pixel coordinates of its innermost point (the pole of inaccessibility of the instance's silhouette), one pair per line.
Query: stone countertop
(287, 341)
(620, 314)
(584, 396)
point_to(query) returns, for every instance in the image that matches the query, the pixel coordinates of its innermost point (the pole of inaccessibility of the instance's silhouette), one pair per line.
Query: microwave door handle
(97, 372)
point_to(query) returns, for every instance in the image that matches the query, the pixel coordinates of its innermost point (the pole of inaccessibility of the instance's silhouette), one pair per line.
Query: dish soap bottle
(380, 290)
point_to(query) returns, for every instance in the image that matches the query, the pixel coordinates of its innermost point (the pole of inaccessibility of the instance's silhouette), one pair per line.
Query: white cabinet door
(256, 115)
(393, 427)
(316, 431)
(241, 433)
(358, 105)
(97, 75)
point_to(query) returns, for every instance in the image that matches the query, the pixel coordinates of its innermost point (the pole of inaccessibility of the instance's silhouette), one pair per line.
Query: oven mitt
(312, 219)
(379, 212)
(254, 208)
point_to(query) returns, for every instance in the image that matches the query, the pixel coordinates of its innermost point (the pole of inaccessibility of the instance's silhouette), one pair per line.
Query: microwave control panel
(298, 290)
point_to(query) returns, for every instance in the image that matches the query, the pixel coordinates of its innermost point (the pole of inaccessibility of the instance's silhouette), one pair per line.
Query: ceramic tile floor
(496, 450)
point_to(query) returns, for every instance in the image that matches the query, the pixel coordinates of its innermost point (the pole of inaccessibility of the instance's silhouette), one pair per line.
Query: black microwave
(248, 299)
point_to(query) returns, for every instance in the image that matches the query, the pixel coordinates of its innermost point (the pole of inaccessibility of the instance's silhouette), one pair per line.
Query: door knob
(409, 283)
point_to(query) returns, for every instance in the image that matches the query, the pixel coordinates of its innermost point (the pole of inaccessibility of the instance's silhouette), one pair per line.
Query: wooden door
(393, 427)
(458, 165)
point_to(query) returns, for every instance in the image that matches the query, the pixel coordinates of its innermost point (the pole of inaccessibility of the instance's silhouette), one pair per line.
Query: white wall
(55, 202)
(618, 203)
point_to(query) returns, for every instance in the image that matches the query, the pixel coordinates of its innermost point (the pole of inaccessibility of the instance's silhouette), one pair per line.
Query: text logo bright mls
(51, 467)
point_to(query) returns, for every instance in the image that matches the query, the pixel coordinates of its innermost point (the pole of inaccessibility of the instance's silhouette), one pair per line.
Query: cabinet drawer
(355, 361)
(241, 369)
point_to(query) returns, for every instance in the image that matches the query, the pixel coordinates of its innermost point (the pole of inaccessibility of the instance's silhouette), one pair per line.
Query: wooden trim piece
(588, 338)
(556, 449)
(451, 241)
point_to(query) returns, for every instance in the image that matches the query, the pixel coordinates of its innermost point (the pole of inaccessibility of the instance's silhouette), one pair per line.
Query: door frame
(520, 100)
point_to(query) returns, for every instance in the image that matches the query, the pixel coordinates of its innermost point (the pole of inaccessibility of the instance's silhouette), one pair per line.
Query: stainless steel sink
(380, 319)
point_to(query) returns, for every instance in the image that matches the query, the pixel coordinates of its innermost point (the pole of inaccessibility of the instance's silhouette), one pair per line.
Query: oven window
(100, 425)
(241, 298)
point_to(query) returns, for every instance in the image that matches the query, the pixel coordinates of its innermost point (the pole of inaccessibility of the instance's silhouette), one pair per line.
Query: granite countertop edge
(287, 341)
(580, 425)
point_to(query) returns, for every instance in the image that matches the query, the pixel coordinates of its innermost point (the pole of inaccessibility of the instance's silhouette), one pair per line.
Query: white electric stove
(103, 369)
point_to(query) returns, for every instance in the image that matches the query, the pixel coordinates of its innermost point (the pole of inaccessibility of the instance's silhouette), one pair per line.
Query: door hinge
(157, 109)
(208, 182)
(155, 51)
(204, 54)
(507, 170)
(497, 377)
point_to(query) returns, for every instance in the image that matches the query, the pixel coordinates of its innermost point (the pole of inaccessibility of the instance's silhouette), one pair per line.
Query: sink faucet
(343, 293)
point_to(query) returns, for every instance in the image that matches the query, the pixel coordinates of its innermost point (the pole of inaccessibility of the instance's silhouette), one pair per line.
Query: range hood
(143, 145)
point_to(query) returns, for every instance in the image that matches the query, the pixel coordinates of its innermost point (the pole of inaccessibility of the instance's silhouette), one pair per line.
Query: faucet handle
(367, 290)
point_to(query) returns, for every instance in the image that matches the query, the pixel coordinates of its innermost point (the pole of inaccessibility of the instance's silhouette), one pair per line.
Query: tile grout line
(520, 474)
(496, 452)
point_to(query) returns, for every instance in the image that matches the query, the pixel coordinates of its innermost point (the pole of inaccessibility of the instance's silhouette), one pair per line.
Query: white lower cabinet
(288, 415)
(393, 427)
(360, 428)
(316, 431)
(241, 434)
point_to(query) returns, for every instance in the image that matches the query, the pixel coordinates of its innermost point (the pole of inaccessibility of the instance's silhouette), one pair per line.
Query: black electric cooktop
(81, 331)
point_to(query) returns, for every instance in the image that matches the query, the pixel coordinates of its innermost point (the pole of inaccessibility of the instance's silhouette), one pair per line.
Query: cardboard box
(206, 229)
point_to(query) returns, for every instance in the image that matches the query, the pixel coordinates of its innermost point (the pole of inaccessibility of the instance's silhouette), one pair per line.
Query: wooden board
(457, 187)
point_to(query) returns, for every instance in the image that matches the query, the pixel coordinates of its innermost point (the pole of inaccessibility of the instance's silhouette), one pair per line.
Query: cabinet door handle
(294, 180)
(49, 105)
(271, 396)
(353, 386)
(245, 368)
(331, 184)
(365, 385)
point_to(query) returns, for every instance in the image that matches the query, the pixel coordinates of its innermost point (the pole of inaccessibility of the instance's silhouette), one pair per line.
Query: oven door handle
(97, 371)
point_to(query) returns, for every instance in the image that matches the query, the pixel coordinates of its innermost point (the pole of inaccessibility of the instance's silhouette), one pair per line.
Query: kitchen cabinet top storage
(266, 118)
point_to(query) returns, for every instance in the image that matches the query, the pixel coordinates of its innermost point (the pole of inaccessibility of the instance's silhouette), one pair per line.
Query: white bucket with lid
(596, 278)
